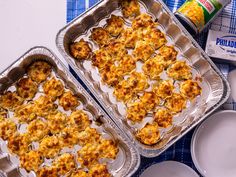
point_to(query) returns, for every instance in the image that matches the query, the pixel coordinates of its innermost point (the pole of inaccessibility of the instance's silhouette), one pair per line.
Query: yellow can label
(200, 12)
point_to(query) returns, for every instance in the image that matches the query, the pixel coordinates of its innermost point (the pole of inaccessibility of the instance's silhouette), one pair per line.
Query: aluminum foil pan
(215, 87)
(128, 158)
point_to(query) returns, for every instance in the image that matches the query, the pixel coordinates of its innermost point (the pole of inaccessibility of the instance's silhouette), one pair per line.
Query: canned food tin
(197, 14)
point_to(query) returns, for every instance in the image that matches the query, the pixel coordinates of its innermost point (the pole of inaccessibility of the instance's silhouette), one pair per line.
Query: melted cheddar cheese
(80, 50)
(39, 71)
(149, 134)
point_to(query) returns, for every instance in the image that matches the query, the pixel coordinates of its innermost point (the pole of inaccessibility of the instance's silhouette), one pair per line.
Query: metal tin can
(197, 14)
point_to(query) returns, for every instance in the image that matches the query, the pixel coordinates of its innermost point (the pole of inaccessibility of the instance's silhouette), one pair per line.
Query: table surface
(28, 23)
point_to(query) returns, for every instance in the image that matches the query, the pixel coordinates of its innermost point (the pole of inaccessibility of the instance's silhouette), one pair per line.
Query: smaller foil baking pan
(128, 158)
(215, 88)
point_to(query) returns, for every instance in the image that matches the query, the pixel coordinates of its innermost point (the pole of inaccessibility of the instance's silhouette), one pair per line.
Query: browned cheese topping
(115, 25)
(10, 100)
(44, 105)
(80, 50)
(164, 89)
(7, 128)
(50, 146)
(31, 161)
(163, 117)
(190, 89)
(53, 88)
(149, 134)
(101, 36)
(68, 101)
(179, 71)
(56, 122)
(130, 8)
(39, 71)
(176, 103)
(18, 144)
(25, 113)
(26, 88)
(64, 163)
(37, 129)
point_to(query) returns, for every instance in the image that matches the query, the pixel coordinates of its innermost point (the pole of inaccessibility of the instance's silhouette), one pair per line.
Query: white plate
(169, 169)
(213, 145)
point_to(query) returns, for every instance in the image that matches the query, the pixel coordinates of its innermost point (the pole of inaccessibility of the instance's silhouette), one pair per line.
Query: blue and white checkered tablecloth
(226, 22)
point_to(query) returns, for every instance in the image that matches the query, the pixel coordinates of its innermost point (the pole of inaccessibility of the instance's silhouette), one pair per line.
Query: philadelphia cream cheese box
(221, 46)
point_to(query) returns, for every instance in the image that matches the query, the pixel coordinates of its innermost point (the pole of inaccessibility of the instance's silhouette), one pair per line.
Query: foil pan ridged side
(127, 162)
(215, 87)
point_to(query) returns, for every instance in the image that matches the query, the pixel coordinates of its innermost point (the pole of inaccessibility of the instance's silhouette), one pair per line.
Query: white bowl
(169, 169)
(213, 145)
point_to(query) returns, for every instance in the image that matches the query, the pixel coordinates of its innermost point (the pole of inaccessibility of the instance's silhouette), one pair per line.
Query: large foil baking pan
(128, 158)
(215, 87)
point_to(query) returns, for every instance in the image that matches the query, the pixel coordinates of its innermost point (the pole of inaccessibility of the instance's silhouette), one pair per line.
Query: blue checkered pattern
(226, 22)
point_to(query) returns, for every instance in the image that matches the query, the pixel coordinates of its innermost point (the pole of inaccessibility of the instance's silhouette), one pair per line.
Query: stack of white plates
(214, 145)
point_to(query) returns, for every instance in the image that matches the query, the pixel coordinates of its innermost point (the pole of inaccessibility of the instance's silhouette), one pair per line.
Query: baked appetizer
(89, 135)
(154, 37)
(101, 58)
(3, 113)
(39, 71)
(37, 129)
(117, 50)
(100, 36)
(163, 117)
(31, 161)
(18, 144)
(53, 88)
(123, 91)
(143, 51)
(138, 81)
(136, 112)
(7, 128)
(44, 106)
(108, 149)
(65, 163)
(25, 113)
(69, 136)
(190, 89)
(80, 50)
(164, 89)
(115, 25)
(68, 101)
(88, 155)
(50, 146)
(176, 103)
(143, 21)
(169, 54)
(110, 75)
(130, 8)
(79, 173)
(79, 119)
(99, 170)
(26, 88)
(130, 37)
(47, 171)
(149, 134)
(126, 65)
(10, 100)
(153, 68)
(179, 71)
(56, 122)
(150, 100)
